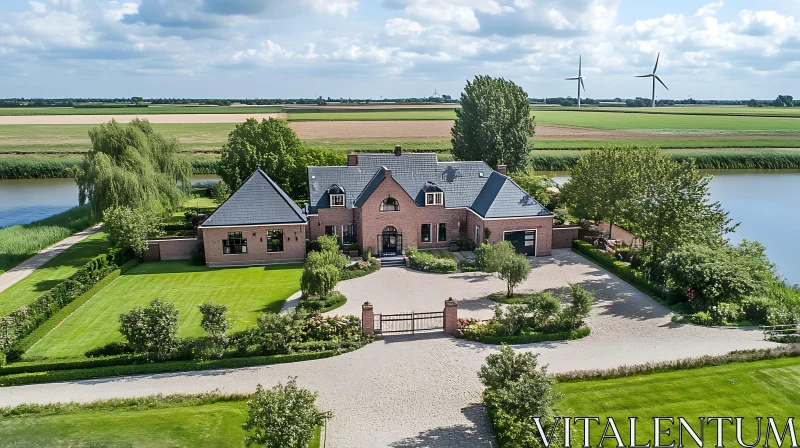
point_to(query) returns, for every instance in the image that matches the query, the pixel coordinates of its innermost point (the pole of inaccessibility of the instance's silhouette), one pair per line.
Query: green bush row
(65, 167)
(618, 268)
(790, 351)
(334, 300)
(536, 337)
(423, 261)
(717, 159)
(41, 331)
(162, 367)
(25, 320)
(21, 241)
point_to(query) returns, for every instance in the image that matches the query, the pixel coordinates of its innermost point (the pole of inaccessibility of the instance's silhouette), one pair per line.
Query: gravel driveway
(422, 391)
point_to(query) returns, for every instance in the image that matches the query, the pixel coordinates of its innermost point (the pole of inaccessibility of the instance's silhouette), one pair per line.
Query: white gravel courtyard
(422, 391)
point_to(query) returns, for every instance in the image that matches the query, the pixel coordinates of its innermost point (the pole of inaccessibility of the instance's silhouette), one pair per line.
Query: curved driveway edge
(423, 390)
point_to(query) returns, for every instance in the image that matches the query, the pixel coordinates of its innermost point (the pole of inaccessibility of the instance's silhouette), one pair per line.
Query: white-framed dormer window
(434, 198)
(337, 200)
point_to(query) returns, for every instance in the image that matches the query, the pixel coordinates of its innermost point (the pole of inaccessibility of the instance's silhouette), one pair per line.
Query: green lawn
(202, 425)
(748, 389)
(52, 273)
(670, 122)
(247, 291)
(755, 111)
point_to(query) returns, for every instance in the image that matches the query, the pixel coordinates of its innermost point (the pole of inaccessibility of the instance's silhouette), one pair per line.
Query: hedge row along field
(545, 160)
(21, 241)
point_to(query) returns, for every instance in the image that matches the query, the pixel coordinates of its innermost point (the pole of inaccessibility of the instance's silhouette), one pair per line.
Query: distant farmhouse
(385, 202)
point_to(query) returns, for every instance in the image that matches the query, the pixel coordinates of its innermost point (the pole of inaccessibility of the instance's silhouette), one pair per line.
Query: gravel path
(26, 268)
(422, 391)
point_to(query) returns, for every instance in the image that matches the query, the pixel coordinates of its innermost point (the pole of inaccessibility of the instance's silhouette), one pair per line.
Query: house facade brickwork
(293, 250)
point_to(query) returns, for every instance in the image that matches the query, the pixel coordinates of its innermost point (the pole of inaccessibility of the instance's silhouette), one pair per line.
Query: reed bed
(21, 241)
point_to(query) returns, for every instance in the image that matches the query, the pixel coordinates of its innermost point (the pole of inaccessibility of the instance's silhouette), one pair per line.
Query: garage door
(524, 241)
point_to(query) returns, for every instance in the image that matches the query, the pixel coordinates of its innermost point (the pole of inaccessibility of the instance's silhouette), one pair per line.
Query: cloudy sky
(726, 49)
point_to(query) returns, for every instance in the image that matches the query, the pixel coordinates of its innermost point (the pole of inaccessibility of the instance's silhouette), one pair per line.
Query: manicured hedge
(536, 337)
(334, 300)
(28, 318)
(151, 368)
(617, 268)
(423, 261)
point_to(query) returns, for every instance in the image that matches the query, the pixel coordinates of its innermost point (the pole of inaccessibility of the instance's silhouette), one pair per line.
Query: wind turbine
(655, 78)
(580, 81)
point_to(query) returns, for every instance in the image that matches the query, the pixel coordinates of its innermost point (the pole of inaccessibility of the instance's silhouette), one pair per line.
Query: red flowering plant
(464, 322)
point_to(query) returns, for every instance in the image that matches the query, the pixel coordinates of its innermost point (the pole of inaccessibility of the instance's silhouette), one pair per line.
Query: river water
(766, 203)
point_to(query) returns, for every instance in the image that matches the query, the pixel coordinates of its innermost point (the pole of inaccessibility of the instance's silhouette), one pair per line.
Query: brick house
(385, 202)
(389, 202)
(258, 224)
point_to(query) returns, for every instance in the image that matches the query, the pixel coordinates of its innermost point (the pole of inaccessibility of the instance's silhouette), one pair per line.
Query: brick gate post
(367, 319)
(450, 316)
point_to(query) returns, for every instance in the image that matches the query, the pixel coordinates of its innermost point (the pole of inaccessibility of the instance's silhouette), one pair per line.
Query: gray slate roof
(259, 201)
(463, 184)
(503, 198)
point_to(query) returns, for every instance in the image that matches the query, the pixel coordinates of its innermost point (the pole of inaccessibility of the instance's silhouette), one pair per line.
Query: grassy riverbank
(21, 241)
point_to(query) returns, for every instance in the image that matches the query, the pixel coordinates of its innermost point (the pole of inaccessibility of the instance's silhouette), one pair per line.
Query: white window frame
(335, 199)
(477, 234)
(434, 198)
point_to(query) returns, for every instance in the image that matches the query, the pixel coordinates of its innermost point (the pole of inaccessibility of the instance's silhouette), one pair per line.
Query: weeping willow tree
(132, 166)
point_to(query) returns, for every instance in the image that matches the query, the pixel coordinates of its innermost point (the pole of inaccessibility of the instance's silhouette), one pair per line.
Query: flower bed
(423, 261)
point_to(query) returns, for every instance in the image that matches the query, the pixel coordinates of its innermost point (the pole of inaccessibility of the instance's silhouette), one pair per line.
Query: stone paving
(422, 390)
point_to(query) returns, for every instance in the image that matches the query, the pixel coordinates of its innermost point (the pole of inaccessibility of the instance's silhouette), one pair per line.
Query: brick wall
(408, 220)
(543, 226)
(176, 248)
(294, 245)
(334, 216)
(563, 236)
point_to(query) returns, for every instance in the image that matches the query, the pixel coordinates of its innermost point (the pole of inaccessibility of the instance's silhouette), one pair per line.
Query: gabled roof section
(501, 197)
(460, 181)
(370, 188)
(259, 201)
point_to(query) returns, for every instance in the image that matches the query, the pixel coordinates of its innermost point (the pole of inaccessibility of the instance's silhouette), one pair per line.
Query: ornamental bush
(283, 417)
(151, 331)
(274, 333)
(424, 261)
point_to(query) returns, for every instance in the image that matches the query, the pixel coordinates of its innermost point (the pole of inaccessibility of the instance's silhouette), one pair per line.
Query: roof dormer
(336, 195)
(433, 194)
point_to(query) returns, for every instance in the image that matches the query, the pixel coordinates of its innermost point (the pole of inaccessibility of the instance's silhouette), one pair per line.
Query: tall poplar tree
(493, 123)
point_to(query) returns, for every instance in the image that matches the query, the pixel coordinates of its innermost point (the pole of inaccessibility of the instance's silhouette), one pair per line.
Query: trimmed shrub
(423, 261)
(110, 349)
(334, 300)
(618, 268)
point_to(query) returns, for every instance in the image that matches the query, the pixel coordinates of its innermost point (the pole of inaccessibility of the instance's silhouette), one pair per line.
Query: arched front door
(391, 241)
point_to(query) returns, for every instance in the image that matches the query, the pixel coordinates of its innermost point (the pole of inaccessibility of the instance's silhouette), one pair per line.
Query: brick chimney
(501, 169)
(398, 150)
(352, 159)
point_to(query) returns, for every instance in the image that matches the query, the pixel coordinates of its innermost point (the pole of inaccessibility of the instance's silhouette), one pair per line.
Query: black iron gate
(408, 322)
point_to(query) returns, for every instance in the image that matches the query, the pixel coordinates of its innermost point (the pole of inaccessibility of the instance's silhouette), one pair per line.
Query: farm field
(248, 292)
(52, 273)
(748, 389)
(700, 110)
(151, 110)
(184, 423)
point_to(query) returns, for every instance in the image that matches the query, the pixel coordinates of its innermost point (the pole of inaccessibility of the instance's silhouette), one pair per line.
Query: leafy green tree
(133, 166)
(707, 276)
(493, 123)
(216, 323)
(129, 229)
(603, 183)
(221, 192)
(283, 417)
(275, 146)
(151, 331)
(535, 185)
(511, 267)
(671, 208)
(318, 279)
(517, 391)
(579, 307)
(136, 99)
